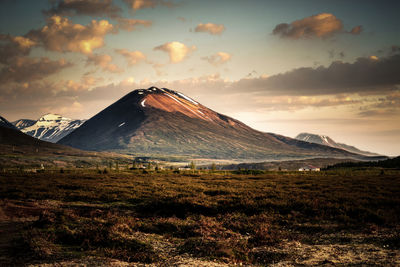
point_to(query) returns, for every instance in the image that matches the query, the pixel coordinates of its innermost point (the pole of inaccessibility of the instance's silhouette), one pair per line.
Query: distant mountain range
(12, 137)
(327, 141)
(50, 127)
(160, 121)
(19, 149)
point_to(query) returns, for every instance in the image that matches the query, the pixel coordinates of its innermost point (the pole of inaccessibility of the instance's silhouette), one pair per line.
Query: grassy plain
(347, 216)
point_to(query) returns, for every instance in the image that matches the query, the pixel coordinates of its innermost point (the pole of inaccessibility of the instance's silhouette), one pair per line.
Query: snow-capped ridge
(50, 127)
(327, 141)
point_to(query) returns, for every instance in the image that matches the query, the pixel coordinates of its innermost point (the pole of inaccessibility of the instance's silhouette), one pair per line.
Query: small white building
(309, 168)
(184, 169)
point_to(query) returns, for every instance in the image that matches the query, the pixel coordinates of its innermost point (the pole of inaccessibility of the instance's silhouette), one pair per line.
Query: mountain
(12, 136)
(50, 127)
(23, 123)
(157, 121)
(6, 124)
(327, 141)
(18, 149)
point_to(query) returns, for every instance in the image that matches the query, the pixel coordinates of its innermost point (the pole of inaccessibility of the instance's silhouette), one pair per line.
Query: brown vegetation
(162, 218)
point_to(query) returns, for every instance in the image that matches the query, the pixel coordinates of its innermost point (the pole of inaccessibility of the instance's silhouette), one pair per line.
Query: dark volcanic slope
(162, 121)
(14, 138)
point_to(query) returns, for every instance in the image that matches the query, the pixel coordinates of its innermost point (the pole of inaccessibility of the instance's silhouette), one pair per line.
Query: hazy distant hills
(165, 122)
(327, 141)
(50, 127)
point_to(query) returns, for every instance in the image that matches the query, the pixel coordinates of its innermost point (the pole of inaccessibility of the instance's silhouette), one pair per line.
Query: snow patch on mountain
(23, 123)
(51, 127)
(327, 141)
(187, 98)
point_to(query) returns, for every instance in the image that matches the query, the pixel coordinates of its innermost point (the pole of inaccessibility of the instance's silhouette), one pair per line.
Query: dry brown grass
(161, 218)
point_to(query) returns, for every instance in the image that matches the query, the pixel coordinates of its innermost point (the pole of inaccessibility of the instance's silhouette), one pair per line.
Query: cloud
(85, 7)
(141, 4)
(395, 49)
(365, 75)
(316, 26)
(132, 24)
(61, 35)
(26, 69)
(38, 97)
(211, 28)
(104, 62)
(177, 51)
(13, 46)
(292, 103)
(132, 57)
(388, 105)
(356, 30)
(218, 58)
(212, 90)
(72, 88)
(158, 69)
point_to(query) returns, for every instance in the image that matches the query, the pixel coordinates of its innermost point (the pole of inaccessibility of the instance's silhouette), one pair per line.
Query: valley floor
(347, 217)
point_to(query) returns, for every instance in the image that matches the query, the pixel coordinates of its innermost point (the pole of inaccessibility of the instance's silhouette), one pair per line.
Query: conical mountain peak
(166, 122)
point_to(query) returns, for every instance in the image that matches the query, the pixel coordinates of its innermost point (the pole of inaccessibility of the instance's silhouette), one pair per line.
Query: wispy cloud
(132, 24)
(141, 4)
(218, 58)
(132, 57)
(211, 28)
(104, 62)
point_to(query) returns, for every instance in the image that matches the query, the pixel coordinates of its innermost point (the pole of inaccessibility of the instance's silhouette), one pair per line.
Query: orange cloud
(133, 57)
(132, 24)
(61, 35)
(218, 58)
(103, 61)
(320, 25)
(71, 86)
(211, 28)
(14, 46)
(356, 30)
(177, 51)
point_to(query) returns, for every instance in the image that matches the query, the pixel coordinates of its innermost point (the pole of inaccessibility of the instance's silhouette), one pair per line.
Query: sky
(328, 67)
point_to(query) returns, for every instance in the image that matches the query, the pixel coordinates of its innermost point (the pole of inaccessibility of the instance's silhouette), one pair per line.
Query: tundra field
(131, 218)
